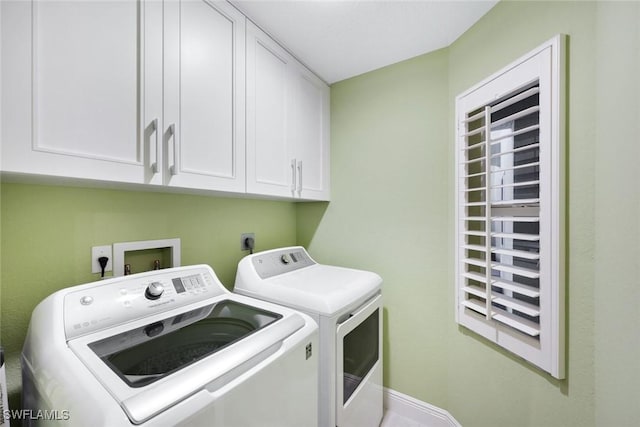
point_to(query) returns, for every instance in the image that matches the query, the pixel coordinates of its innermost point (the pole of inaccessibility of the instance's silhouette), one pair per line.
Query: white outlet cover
(100, 251)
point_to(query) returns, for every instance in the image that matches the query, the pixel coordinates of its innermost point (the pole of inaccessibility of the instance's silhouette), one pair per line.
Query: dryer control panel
(111, 302)
(276, 262)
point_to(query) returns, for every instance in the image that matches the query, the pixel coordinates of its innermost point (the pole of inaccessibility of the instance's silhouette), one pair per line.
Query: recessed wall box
(119, 250)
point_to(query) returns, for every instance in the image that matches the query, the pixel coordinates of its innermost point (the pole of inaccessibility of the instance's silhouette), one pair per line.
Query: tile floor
(391, 419)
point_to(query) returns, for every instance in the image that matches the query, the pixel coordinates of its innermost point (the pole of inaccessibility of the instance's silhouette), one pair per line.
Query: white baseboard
(420, 412)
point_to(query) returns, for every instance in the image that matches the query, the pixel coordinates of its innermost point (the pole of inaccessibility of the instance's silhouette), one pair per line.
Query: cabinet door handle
(154, 129)
(300, 178)
(173, 170)
(293, 176)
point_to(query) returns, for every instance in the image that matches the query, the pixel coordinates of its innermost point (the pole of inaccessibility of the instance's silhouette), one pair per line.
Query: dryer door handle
(359, 311)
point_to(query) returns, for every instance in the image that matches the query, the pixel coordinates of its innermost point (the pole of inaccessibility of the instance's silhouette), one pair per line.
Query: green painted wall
(392, 212)
(510, 389)
(617, 215)
(389, 211)
(48, 232)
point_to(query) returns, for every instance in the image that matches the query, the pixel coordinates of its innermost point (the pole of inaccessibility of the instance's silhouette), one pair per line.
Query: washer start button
(86, 300)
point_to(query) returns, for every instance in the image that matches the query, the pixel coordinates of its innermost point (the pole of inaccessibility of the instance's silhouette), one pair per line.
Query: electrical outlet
(243, 241)
(100, 251)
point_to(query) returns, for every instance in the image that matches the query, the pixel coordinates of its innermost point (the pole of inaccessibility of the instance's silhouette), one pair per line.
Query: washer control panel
(115, 301)
(274, 263)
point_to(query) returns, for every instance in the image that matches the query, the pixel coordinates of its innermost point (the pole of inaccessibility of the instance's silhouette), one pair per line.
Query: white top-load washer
(347, 304)
(168, 347)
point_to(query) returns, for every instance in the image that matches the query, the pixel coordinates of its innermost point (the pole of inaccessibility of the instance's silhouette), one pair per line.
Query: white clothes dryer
(347, 304)
(168, 347)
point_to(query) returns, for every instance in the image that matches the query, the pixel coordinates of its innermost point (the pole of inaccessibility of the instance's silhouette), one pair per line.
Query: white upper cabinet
(164, 93)
(310, 134)
(73, 98)
(113, 91)
(269, 151)
(287, 123)
(204, 95)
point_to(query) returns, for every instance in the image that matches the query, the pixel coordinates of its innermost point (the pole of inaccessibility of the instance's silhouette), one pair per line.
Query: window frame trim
(551, 354)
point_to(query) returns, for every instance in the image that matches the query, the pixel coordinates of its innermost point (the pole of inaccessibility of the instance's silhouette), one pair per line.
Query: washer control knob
(285, 259)
(154, 290)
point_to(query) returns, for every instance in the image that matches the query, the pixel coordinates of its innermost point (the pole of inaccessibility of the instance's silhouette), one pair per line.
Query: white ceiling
(339, 39)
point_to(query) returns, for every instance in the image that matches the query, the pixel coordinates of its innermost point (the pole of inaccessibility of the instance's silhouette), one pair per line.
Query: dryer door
(359, 367)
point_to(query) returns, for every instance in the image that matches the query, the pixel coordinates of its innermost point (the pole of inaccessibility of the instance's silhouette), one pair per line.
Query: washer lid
(321, 289)
(209, 352)
(148, 353)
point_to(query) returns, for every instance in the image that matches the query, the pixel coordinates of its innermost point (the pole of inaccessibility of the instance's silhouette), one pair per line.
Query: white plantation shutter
(509, 210)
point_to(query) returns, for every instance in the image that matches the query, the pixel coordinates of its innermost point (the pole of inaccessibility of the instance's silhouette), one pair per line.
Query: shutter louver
(502, 199)
(509, 211)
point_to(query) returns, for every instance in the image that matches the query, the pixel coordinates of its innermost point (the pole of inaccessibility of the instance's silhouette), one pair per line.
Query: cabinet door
(270, 164)
(310, 133)
(74, 102)
(204, 95)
